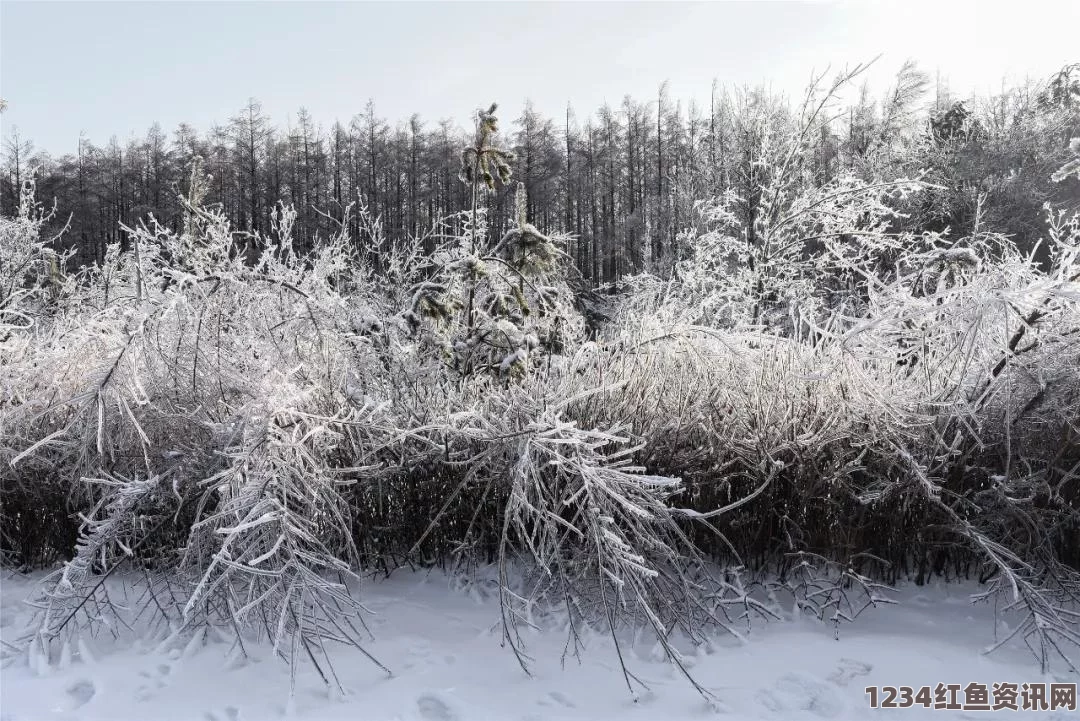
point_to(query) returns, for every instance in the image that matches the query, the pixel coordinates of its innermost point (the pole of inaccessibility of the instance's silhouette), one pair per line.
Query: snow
(441, 639)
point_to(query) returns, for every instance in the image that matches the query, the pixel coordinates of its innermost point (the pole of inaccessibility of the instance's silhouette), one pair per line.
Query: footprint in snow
(849, 669)
(557, 698)
(419, 654)
(80, 693)
(802, 692)
(231, 713)
(154, 680)
(433, 708)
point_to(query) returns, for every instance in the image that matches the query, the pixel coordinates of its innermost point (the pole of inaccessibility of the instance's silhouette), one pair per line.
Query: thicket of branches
(818, 398)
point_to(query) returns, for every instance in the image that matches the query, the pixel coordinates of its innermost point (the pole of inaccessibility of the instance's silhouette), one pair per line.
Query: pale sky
(115, 68)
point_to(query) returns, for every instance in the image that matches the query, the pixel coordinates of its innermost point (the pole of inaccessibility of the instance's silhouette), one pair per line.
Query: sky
(115, 68)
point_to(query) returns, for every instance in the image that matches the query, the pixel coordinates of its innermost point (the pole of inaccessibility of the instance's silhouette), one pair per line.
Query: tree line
(622, 181)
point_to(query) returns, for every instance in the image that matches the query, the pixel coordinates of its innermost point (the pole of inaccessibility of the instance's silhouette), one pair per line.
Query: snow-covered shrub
(204, 412)
(806, 262)
(33, 287)
(30, 271)
(1072, 167)
(899, 402)
(494, 308)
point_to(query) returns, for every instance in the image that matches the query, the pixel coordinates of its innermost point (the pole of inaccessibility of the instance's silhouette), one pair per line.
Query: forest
(623, 182)
(660, 367)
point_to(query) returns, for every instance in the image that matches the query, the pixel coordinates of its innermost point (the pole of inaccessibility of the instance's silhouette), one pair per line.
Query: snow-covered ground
(443, 645)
